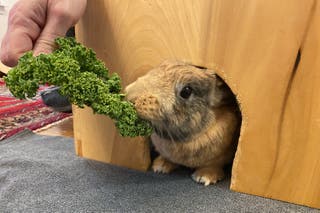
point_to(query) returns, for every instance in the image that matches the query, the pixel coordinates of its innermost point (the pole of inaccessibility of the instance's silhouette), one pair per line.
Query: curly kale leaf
(82, 78)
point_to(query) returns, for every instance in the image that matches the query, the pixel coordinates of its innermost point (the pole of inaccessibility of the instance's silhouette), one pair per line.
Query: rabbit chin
(173, 134)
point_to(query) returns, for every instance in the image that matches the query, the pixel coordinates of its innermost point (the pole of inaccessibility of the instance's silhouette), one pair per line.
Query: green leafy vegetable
(82, 78)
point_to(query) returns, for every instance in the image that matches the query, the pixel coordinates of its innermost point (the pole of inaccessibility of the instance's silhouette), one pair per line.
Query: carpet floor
(42, 174)
(17, 115)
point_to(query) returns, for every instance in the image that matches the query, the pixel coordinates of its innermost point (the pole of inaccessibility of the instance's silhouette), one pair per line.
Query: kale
(82, 78)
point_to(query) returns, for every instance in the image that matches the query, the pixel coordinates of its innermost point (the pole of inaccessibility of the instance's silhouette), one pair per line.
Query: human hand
(34, 24)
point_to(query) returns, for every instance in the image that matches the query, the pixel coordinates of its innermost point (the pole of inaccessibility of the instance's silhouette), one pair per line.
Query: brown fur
(197, 132)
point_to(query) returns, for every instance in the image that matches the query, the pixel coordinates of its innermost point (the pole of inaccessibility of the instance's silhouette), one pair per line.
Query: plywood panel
(96, 138)
(61, 128)
(293, 165)
(295, 169)
(90, 135)
(252, 44)
(4, 69)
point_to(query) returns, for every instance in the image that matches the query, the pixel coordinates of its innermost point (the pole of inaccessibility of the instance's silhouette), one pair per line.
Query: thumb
(46, 41)
(61, 15)
(55, 27)
(45, 44)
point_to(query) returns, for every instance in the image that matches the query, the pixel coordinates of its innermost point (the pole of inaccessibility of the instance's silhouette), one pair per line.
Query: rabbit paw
(208, 175)
(161, 165)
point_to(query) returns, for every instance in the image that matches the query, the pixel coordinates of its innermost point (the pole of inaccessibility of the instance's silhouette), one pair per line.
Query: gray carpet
(42, 174)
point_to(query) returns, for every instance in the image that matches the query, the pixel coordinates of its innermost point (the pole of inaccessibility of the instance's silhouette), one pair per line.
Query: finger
(46, 43)
(61, 15)
(14, 46)
(56, 26)
(24, 27)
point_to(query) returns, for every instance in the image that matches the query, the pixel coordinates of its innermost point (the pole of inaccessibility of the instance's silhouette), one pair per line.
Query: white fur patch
(160, 169)
(202, 179)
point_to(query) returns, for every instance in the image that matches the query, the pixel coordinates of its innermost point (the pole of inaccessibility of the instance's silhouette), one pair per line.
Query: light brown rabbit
(194, 115)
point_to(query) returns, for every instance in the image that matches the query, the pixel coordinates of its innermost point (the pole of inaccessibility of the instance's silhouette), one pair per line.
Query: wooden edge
(4, 69)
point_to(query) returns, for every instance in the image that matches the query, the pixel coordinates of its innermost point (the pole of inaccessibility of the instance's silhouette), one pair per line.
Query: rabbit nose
(129, 91)
(134, 91)
(131, 99)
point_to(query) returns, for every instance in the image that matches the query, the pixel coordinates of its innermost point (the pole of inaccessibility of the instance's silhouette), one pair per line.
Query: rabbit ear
(219, 93)
(169, 63)
(215, 96)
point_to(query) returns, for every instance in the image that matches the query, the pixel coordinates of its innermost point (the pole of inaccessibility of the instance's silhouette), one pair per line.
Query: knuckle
(15, 17)
(62, 15)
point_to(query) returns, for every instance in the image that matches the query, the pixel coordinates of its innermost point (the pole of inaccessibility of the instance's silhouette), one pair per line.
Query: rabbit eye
(186, 92)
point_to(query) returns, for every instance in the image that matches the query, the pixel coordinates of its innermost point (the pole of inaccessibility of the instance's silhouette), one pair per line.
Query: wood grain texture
(4, 69)
(252, 44)
(61, 128)
(296, 167)
(96, 138)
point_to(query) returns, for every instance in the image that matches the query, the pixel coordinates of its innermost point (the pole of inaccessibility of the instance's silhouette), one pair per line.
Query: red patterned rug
(17, 115)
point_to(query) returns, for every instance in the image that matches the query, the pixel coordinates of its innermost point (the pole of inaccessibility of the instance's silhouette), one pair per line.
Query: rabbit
(194, 115)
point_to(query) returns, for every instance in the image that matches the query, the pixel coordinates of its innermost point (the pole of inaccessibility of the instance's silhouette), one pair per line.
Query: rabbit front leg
(162, 165)
(208, 175)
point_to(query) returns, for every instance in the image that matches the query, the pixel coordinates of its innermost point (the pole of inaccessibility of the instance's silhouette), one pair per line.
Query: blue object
(52, 98)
